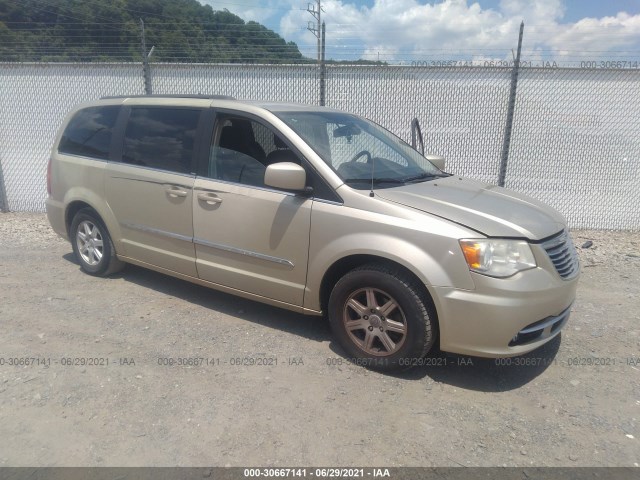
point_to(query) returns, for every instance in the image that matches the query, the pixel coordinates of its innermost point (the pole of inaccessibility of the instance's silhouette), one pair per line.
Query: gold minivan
(314, 210)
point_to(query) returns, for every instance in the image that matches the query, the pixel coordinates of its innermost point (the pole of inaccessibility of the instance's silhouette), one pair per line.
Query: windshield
(359, 151)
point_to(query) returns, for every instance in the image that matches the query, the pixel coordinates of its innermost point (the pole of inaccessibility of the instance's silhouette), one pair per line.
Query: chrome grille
(563, 255)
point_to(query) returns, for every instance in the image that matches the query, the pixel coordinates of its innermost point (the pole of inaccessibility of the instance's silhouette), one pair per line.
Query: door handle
(175, 191)
(209, 198)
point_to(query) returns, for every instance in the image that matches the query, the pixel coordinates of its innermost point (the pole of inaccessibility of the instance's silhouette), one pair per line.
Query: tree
(93, 30)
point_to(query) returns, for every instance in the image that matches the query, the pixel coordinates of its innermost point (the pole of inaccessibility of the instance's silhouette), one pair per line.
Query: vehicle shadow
(479, 374)
(471, 373)
(486, 374)
(306, 326)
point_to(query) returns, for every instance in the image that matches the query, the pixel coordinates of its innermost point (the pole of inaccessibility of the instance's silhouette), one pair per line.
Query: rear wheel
(92, 244)
(382, 317)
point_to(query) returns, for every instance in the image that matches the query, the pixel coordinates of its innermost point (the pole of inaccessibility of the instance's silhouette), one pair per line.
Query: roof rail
(205, 97)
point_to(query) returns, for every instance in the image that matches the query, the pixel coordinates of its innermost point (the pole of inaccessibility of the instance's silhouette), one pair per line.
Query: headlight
(497, 257)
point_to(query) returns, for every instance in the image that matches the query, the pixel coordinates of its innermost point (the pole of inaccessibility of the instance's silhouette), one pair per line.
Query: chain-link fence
(575, 140)
(34, 98)
(576, 144)
(278, 83)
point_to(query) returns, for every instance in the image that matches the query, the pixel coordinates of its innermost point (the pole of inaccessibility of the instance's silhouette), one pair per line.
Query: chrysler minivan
(314, 210)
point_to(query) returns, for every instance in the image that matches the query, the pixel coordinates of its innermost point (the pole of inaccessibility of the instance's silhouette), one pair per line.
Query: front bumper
(504, 317)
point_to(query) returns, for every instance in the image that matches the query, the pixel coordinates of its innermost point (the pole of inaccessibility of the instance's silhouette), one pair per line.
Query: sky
(406, 31)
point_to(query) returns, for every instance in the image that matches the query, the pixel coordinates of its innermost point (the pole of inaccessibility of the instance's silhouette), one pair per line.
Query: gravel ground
(575, 402)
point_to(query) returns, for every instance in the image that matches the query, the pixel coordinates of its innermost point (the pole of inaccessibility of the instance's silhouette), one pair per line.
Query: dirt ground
(575, 402)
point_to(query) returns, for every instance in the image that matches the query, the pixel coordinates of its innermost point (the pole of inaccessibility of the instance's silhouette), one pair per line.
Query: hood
(491, 210)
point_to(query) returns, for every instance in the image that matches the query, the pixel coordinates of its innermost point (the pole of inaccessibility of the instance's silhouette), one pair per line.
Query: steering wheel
(360, 154)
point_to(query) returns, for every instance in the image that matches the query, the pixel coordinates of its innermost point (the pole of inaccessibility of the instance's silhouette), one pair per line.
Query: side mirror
(437, 160)
(285, 176)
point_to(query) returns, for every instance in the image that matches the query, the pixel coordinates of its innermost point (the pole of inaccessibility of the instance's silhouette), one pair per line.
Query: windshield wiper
(375, 181)
(425, 176)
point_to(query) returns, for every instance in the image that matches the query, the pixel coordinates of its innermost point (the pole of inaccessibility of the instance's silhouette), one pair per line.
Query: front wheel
(92, 244)
(382, 317)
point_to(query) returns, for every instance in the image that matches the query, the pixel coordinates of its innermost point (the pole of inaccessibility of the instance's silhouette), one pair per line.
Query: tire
(92, 244)
(382, 318)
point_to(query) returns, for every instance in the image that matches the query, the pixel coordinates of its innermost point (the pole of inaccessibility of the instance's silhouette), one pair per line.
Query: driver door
(247, 236)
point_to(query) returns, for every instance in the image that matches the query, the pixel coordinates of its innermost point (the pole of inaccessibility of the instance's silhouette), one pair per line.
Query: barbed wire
(119, 39)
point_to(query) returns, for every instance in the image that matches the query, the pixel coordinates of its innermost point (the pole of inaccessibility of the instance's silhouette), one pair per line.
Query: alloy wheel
(89, 242)
(374, 321)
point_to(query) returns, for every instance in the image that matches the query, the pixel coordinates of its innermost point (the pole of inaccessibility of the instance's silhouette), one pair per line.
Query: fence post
(323, 72)
(146, 71)
(4, 203)
(510, 109)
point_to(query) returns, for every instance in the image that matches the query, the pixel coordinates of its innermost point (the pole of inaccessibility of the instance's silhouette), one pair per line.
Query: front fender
(435, 258)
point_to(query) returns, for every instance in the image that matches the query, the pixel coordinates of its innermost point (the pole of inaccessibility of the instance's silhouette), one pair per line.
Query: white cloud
(541, 9)
(593, 34)
(405, 30)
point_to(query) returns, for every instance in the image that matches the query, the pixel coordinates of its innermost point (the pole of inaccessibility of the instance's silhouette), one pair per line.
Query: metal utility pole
(510, 109)
(318, 30)
(316, 11)
(146, 70)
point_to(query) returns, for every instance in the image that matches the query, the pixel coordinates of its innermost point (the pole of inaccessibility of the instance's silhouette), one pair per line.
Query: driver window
(242, 149)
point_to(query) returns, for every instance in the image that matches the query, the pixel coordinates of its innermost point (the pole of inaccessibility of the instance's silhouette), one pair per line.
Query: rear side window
(161, 138)
(89, 132)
